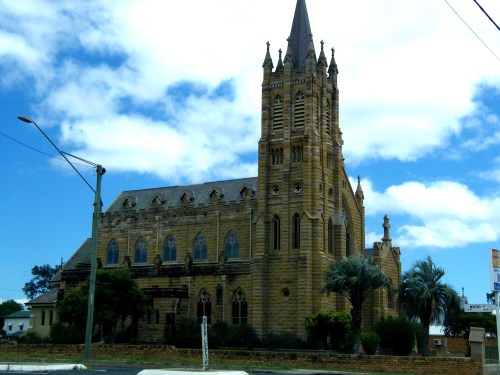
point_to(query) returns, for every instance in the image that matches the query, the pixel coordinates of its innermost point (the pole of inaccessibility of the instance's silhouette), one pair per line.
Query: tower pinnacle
(300, 34)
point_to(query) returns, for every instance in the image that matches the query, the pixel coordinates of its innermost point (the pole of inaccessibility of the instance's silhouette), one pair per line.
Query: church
(252, 250)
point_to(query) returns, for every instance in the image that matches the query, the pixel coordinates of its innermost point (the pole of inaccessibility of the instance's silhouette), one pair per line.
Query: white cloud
(407, 75)
(441, 214)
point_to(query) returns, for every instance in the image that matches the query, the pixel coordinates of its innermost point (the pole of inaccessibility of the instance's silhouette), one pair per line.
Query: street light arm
(30, 121)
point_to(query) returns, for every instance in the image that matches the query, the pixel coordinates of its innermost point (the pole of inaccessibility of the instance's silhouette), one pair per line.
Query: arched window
(51, 317)
(347, 226)
(296, 231)
(276, 233)
(390, 296)
(232, 245)
(278, 112)
(113, 252)
(43, 318)
(140, 251)
(204, 307)
(170, 249)
(330, 236)
(277, 156)
(200, 247)
(240, 307)
(297, 153)
(157, 316)
(300, 109)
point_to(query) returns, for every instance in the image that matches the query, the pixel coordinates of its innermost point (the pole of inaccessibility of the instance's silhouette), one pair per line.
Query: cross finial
(268, 44)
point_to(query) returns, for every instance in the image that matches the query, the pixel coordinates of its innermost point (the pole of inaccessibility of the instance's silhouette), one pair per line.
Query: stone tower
(309, 214)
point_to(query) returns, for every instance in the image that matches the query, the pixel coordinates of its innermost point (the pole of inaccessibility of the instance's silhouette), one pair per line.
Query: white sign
(478, 307)
(204, 342)
(495, 270)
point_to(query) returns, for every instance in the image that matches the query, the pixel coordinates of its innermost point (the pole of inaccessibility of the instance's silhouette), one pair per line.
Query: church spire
(300, 34)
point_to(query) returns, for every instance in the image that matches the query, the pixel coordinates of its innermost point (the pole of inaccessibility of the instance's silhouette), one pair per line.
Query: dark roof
(80, 257)
(177, 196)
(299, 35)
(49, 297)
(19, 314)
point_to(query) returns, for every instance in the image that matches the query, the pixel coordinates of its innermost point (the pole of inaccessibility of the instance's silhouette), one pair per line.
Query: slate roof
(230, 191)
(301, 29)
(49, 297)
(80, 257)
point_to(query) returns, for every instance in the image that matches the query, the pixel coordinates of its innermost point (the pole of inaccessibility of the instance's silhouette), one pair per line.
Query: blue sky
(165, 92)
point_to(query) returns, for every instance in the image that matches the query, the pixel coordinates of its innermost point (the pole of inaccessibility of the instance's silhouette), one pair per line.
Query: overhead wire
(42, 152)
(487, 15)
(477, 36)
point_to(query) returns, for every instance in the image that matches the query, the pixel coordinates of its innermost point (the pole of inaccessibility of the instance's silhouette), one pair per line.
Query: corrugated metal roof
(19, 314)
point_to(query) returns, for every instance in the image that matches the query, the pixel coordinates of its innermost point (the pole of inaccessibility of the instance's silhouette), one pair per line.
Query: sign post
(495, 287)
(479, 308)
(204, 343)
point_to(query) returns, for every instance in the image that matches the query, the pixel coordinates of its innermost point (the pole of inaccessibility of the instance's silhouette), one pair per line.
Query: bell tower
(300, 149)
(308, 213)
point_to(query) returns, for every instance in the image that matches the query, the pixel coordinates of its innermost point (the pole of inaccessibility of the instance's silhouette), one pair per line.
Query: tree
(40, 283)
(355, 278)
(329, 330)
(397, 334)
(424, 296)
(8, 307)
(117, 297)
(459, 323)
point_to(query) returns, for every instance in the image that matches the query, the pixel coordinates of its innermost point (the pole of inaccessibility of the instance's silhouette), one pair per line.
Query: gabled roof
(47, 298)
(79, 258)
(300, 34)
(178, 196)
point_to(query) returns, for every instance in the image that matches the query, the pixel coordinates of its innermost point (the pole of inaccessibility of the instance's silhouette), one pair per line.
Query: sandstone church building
(252, 250)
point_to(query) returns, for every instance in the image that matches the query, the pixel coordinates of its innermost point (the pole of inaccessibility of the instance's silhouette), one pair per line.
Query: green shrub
(242, 336)
(187, 333)
(284, 340)
(66, 334)
(217, 334)
(31, 337)
(329, 330)
(397, 334)
(370, 342)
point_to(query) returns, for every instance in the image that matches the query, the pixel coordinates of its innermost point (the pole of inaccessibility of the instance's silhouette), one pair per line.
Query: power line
(39, 151)
(487, 15)
(477, 36)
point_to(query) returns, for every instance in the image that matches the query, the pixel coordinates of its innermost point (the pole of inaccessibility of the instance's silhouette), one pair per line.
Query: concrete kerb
(26, 367)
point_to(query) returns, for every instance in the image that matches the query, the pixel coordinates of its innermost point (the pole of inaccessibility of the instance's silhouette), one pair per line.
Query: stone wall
(251, 359)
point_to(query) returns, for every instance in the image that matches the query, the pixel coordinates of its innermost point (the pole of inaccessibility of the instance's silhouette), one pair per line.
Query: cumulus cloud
(441, 214)
(173, 90)
(404, 86)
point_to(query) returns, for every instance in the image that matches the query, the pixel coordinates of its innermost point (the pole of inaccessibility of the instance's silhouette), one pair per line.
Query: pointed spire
(386, 226)
(280, 65)
(301, 31)
(289, 55)
(333, 65)
(359, 192)
(268, 61)
(322, 58)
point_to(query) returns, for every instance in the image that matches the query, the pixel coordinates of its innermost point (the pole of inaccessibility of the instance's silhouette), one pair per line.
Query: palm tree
(424, 296)
(355, 278)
